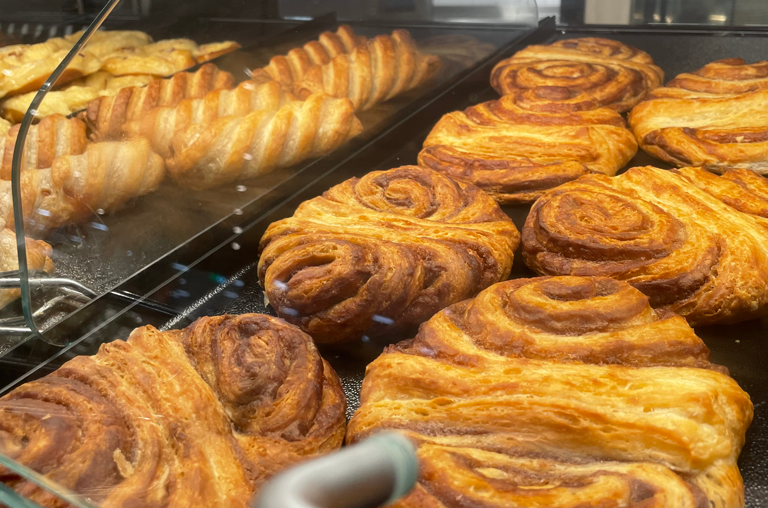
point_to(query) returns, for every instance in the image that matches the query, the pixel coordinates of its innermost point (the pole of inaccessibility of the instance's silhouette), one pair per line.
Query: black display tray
(227, 276)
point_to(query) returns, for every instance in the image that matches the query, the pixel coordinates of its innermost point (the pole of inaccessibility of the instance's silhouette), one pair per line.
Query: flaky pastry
(194, 417)
(615, 75)
(527, 142)
(687, 250)
(716, 117)
(382, 253)
(561, 392)
(38, 258)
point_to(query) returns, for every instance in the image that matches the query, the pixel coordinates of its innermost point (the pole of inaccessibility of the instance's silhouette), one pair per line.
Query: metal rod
(18, 158)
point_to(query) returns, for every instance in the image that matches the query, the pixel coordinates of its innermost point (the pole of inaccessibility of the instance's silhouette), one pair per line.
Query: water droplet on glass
(366, 338)
(248, 72)
(237, 230)
(241, 188)
(33, 112)
(129, 253)
(100, 211)
(247, 156)
(235, 246)
(237, 211)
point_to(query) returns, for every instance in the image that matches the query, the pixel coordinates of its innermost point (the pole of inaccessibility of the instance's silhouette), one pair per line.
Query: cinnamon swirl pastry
(527, 142)
(560, 392)
(687, 250)
(200, 416)
(617, 76)
(382, 253)
(715, 117)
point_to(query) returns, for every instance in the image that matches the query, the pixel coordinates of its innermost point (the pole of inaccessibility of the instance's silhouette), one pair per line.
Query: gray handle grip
(372, 473)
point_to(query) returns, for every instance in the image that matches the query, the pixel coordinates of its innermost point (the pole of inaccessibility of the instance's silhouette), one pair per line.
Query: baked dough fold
(527, 142)
(382, 253)
(560, 392)
(686, 249)
(200, 416)
(715, 117)
(615, 75)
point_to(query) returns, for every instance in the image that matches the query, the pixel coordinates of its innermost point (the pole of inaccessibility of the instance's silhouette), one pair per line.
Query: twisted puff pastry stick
(290, 69)
(161, 124)
(617, 76)
(527, 142)
(715, 117)
(106, 115)
(373, 72)
(382, 253)
(561, 392)
(200, 416)
(54, 136)
(38, 258)
(76, 187)
(238, 148)
(686, 249)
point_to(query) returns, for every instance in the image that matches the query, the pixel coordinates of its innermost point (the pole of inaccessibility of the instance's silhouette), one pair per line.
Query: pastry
(527, 142)
(290, 68)
(161, 124)
(54, 136)
(376, 71)
(615, 75)
(560, 392)
(207, 52)
(38, 259)
(76, 187)
(5, 126)
(74, 97)
(688, 251)
(742, 189)
(200, 416)
(715, 117)
(242, 147)
(107, 115)
(380, 254)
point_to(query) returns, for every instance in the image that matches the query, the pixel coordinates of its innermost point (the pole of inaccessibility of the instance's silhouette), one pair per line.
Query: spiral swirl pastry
(289, 69)
(376, 71)
(382, 253)
(561, 392)
(242, 147)
(528, 142)
(687, 250)
(742, 189)
(161, 124)
(200, 416)
(715, 118)
(615, 75)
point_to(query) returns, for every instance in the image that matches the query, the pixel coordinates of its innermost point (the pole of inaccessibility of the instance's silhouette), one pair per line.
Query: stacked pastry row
(110, 61)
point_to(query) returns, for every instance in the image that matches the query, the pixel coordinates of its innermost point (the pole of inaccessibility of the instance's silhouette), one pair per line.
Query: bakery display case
(370, 172)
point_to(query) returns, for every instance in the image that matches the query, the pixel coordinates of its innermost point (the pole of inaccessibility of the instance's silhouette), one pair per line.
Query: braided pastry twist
(106, 115)
(290, 69)
(75, 187)
(688, 251)
(715, 118)
(38, 258)
(615, 75)
(527, 142)
(383, 253)
(54, 136)
(373, 72)
(561, 392)
(238, 148)
(161, 124)
(200, 416)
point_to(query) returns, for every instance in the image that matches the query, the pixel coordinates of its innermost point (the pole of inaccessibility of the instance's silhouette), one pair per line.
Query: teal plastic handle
(370, 474)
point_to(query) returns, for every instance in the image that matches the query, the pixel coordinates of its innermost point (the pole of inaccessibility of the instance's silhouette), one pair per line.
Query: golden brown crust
(687, 250)
(615, 75)
(54, 136)
(38, 258)
(560, 392)
(75, 187)
(290, 68)
(200, 416)
(528, 142)
(383, 253)
(161, 124)
(376, 71)
(242, 147)
(106, 115)
(713, 118)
